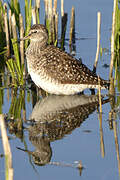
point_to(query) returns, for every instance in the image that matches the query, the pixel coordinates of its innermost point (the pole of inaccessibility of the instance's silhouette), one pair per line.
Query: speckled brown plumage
(54, 65)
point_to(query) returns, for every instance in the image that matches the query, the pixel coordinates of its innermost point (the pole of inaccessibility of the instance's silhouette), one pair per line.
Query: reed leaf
(19, 73)
(14, 70)
(3, 52)
(10, 66)
(2, 12)
(55, 43)
(16, 53)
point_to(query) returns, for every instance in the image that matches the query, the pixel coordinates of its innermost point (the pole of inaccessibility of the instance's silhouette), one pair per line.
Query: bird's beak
(24, 38)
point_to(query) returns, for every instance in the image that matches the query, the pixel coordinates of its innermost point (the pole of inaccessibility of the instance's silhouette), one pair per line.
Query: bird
(54, 70)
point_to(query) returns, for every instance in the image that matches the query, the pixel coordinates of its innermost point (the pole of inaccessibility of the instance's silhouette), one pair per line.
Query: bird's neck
(36, 47)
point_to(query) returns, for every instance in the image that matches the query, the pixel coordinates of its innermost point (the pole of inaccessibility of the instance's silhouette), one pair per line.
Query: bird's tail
(105, 83)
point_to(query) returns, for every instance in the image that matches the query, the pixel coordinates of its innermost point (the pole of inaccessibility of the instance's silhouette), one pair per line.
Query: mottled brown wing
(64, 68)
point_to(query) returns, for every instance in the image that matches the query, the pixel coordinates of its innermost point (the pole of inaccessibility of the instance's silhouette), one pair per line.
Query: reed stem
(112, 39)
(72, 23)
(6, 30)
(46, 8)
(14, 27)
(54, 7)
(56, 26)
(62, 8)
(34, 18)
(98, 40)
(37, 2)
(10, 23)
(21, 36)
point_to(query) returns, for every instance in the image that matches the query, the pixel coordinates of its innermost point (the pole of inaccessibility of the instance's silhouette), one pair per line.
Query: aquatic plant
(117, 46)
(15, 29)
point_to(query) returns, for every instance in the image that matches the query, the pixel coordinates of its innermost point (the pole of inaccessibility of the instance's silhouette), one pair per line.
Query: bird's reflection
(56, 116)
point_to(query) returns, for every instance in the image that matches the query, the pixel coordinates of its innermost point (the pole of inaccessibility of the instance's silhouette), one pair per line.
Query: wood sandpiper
(54, 70)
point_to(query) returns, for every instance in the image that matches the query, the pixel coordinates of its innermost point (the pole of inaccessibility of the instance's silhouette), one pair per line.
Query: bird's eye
(34, 31)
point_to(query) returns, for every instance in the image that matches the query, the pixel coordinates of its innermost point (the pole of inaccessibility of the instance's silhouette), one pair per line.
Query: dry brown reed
(37, 3)
(72, 24)
(34, 17)
(55, 7)
(46, 7)
(6, 30)
(62, 8)
(14, 31)
(10, 23)
(56, 26)
(98, 40)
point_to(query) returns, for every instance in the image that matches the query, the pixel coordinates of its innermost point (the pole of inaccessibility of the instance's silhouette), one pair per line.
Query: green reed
(15, 66)
(15, 61)
(117, 46)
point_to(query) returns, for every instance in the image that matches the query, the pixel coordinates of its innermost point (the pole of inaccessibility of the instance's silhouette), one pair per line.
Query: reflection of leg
(92, 91)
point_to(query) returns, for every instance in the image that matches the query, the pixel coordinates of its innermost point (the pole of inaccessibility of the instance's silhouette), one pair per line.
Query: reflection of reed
(17, 113)
(112, 121)
(113, 40)
(1, 93)
(116, 142)
(7, 150)
(54, 117)
(101, 136)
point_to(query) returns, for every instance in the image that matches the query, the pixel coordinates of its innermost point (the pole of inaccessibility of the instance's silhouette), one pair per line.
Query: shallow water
(68, 130)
